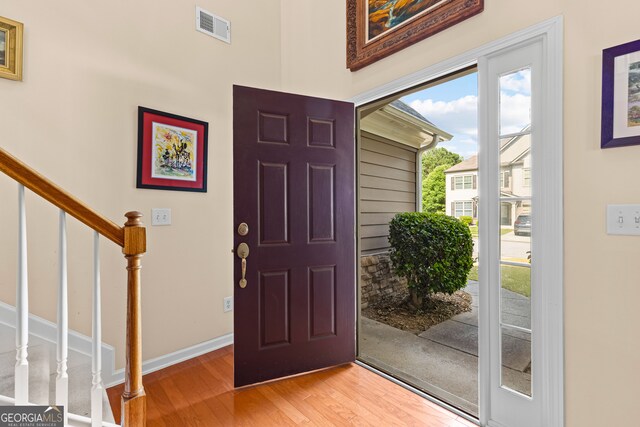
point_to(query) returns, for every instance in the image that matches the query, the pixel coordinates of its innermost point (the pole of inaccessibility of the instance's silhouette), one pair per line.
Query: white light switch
(623, 220)
(160, 216)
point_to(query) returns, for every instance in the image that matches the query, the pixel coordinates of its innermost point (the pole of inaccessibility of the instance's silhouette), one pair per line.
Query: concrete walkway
(443, 360)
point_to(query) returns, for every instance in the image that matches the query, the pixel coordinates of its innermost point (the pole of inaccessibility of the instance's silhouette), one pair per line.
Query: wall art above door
(378, 28)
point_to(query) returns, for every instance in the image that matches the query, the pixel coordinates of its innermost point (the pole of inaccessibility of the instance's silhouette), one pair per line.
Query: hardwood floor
(199, 392)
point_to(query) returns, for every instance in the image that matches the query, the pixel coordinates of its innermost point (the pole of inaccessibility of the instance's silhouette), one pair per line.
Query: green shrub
(432, 251)
(466, 220)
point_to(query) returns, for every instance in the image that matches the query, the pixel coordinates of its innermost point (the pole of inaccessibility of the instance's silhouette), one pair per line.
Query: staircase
(36, 371)
(42, 376)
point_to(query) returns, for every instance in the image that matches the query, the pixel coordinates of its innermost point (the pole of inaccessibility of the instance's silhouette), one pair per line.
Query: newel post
(133, 399)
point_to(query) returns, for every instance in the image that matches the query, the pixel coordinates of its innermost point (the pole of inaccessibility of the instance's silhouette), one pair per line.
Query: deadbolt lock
(243, 229)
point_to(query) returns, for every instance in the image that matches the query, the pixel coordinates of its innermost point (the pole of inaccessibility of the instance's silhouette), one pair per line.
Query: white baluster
(22, 308)
(62, 379)
(97, 388)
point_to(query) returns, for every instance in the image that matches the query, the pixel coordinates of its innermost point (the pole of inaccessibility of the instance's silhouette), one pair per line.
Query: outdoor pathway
(443, 360)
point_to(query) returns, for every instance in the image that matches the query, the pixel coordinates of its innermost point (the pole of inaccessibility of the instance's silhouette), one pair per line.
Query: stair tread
(42, 376)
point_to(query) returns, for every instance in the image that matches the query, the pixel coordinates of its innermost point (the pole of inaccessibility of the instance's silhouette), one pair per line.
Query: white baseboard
(167, 360)
(47, 331)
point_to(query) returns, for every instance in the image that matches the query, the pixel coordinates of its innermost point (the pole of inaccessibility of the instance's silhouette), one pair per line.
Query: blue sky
(449, 91)
(453, 107)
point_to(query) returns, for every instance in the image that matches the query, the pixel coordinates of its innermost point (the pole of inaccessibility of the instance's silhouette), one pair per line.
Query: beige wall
(602, 274)
(88, 65)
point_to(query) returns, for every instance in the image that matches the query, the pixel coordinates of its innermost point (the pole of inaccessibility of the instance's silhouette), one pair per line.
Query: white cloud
(515, 112)
(519, 82)
(459, 117)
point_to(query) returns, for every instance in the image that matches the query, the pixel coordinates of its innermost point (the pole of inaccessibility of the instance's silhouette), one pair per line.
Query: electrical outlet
(228, 304)
(160, 216)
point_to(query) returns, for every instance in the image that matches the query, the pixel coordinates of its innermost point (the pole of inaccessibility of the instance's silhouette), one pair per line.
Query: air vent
(212, 25)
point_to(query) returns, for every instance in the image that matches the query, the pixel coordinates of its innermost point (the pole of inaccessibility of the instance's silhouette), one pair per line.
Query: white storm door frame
(548, 312)
(507, 407)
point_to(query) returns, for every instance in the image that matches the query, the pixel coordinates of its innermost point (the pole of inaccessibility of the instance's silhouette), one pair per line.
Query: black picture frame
(183, 164)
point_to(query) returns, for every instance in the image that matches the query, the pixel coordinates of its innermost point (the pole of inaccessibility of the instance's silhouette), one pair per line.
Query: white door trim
(552, 310)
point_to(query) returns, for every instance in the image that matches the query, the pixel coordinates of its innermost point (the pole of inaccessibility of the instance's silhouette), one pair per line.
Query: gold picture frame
(10, 49)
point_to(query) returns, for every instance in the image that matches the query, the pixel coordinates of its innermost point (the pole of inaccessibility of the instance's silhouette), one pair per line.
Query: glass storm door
(520, 219)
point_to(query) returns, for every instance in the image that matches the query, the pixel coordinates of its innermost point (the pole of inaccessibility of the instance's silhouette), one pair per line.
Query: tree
(434, 191)
(436, 157)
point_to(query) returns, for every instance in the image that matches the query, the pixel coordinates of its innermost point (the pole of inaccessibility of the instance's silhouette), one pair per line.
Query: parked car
(522, 226)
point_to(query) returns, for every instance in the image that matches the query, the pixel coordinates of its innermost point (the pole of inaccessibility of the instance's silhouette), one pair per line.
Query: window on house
(463, 209)
(526, 177)
(504, 179)
(464, 182)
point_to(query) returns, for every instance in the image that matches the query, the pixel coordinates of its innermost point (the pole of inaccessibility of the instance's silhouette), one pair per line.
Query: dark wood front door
(294, 188)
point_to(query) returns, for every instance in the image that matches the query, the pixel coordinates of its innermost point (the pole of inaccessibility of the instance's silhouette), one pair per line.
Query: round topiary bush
(432, 251)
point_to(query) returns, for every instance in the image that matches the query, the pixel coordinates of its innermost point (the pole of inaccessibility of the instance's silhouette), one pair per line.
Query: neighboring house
(462, 189)
(515, 178)
(515, 182)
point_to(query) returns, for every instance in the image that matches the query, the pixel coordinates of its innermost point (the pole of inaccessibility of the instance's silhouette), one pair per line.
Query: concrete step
(516, 350)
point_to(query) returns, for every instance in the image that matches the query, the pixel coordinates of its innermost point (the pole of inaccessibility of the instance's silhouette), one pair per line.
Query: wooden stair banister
(55, 195)
(132, 239)
(133, 399)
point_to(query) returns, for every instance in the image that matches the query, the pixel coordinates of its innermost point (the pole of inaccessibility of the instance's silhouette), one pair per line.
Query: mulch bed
(401, 314)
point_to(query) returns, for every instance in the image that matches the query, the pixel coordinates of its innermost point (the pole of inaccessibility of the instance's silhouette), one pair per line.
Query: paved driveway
(511, 246)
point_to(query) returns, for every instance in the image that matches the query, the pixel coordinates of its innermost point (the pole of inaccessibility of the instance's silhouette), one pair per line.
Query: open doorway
(418, 153)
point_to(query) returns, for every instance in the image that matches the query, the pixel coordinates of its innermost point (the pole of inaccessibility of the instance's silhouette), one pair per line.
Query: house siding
(387, 186)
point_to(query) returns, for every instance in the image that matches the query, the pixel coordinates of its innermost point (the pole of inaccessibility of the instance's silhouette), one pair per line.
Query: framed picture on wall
(10, 49)
(172, 151)
(621, 95)
(378, 28)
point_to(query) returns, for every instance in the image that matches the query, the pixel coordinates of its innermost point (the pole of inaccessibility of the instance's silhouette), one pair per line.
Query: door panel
(273, 210)
(274, 308)
(322, 282)
(321, 203)
(294, 187)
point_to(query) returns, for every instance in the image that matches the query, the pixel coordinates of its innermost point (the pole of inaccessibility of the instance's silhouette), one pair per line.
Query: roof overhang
(401, 127)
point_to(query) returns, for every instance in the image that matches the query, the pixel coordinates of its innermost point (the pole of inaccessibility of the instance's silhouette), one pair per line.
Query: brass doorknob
(243, 253)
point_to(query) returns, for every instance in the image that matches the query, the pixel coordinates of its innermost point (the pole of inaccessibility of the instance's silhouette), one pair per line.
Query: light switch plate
(160, 216)
(623, 220)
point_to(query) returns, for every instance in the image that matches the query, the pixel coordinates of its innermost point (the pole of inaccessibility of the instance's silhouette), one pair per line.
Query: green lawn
(516, 279)
(474, 230)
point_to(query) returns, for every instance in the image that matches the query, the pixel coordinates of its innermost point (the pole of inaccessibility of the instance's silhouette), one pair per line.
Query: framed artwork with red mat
(172, 151)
